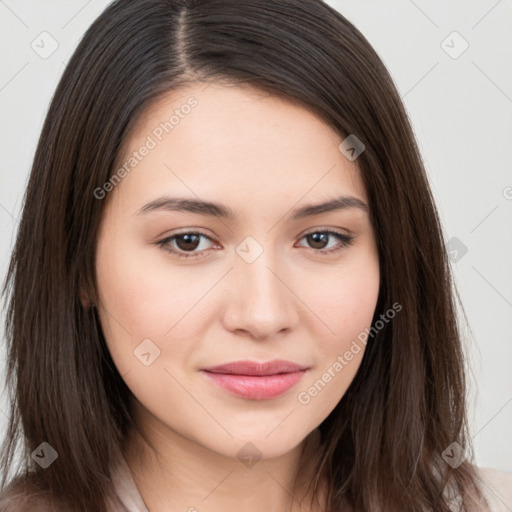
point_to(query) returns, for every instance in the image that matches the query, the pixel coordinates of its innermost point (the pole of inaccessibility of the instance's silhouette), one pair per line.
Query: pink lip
(256, 381)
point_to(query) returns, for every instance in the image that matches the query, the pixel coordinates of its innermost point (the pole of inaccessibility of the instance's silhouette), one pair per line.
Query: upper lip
(256, 368)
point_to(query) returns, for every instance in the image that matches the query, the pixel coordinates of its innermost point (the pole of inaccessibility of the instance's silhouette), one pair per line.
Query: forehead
(234, 142)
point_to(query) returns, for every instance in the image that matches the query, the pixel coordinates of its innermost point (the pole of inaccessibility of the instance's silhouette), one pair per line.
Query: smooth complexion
(263, 158)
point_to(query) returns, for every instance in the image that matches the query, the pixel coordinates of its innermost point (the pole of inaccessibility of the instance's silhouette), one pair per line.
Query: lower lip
(256, 387)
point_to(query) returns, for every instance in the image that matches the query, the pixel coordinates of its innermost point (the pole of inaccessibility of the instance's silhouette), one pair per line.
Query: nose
(261, 301)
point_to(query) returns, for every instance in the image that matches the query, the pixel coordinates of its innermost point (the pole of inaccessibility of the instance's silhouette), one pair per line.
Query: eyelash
(345, 241)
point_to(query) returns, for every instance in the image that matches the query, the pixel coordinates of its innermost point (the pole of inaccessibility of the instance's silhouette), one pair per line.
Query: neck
(184, 475)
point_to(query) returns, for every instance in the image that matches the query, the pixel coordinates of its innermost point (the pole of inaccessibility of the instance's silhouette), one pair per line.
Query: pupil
(320, 238)
(189, 239)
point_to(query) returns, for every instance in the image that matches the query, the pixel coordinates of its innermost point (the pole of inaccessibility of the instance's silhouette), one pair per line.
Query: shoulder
(497, 488)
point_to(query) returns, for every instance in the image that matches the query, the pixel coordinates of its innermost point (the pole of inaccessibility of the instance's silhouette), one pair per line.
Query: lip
(255, 380)
(256, 368)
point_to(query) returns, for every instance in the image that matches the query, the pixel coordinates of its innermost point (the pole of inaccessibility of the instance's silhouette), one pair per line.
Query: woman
(229, 287)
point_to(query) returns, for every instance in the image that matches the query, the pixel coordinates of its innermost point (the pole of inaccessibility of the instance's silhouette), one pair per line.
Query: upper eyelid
(309, 232)
(313, 230)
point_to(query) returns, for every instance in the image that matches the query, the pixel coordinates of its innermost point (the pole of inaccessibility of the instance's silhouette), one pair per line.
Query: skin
(263, 157)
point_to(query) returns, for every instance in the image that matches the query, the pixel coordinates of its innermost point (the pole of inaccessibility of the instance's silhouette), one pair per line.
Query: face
(182, 287)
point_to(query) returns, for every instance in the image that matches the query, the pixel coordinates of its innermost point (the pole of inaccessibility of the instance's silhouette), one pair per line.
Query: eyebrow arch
(221, 211)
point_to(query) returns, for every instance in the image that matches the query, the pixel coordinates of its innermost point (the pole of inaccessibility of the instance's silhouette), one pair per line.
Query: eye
(188, 242)
(319, 240)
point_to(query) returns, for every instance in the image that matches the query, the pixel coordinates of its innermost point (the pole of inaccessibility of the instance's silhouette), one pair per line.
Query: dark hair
(382, 444)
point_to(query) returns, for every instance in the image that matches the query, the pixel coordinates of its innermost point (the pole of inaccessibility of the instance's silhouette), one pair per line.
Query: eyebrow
(222, 211)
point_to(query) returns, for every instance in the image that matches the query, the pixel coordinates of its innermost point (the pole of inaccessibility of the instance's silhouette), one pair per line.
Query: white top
(126, 490)
(497, 487)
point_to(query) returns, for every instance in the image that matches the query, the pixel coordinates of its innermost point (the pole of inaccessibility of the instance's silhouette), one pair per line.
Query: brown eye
(319, 240)
(184, 243)
(187, 241)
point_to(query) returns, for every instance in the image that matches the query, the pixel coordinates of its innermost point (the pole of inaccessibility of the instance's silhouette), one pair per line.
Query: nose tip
(260, 301)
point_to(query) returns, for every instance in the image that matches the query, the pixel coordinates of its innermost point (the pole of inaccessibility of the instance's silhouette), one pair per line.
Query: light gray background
(460, 109)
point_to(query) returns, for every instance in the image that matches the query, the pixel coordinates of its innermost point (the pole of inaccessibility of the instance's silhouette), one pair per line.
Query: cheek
(345, 301)
(142, 298)
(338, 356)
(138, 290)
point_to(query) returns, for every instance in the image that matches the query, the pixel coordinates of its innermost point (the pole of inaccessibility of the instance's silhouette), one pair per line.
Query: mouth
(255, 380)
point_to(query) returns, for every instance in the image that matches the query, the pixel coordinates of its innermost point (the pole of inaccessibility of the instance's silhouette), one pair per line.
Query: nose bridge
(263, 304)
(258, 277)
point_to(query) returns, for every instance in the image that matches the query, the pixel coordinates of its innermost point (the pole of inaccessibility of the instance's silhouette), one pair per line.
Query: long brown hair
(382, 444)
